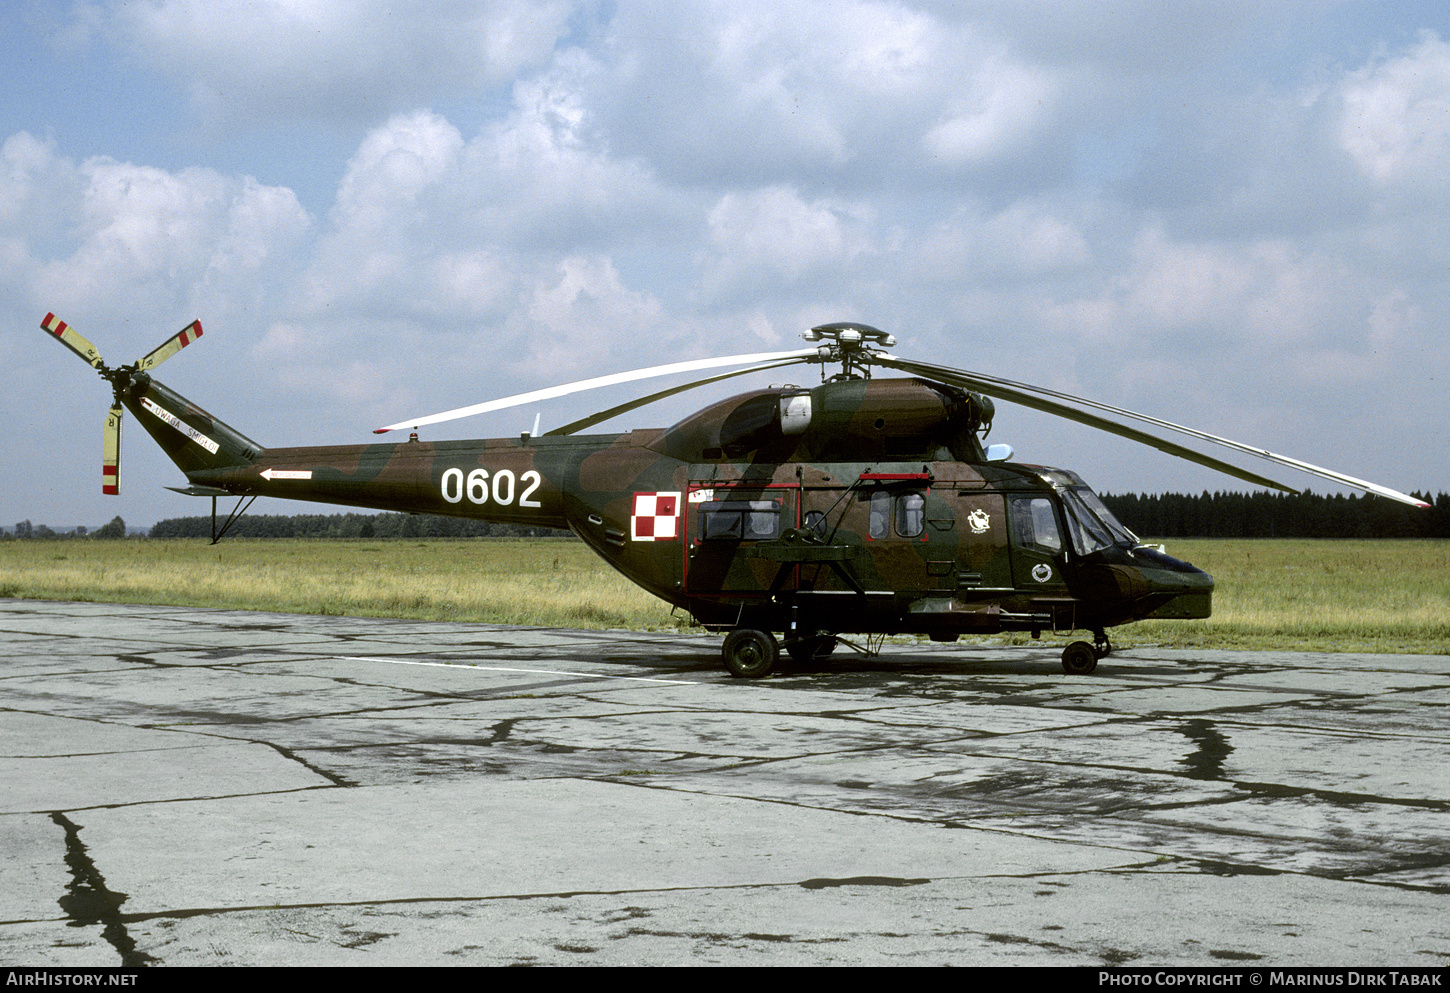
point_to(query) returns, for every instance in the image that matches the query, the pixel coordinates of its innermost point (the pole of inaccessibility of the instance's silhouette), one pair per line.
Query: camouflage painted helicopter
(858, 506)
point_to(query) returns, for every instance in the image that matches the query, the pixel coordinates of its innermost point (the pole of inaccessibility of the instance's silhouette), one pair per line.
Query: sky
(1232, 215)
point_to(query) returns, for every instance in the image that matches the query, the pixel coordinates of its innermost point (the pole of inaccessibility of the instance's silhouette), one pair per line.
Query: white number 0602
(478, 489)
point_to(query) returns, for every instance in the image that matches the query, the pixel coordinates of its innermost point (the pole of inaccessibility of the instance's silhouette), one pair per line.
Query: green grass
(1315, 595)
(1362, 596)
(498, 581)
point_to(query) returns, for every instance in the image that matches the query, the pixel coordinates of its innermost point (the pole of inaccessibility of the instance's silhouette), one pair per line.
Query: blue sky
(1226, 214)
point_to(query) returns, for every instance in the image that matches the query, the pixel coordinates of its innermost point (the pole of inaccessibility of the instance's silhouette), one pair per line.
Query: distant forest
(1279, 515)
(1171, 515)
(350, 526)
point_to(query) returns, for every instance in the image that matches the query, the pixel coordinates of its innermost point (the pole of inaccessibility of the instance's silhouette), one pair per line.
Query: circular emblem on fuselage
(1042, 572)
(979, 522)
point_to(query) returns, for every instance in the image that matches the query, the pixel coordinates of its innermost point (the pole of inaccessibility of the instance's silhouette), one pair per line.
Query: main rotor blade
(173, 345)
(1007, 390)
(994, 388)
(111, 453)
(624, 408)
(72, 339)
(553, 392)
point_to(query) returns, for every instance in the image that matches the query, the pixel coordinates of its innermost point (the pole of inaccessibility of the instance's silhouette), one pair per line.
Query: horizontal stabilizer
(202, 491)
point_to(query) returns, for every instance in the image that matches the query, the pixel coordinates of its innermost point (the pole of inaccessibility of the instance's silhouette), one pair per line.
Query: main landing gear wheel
(1079, 659)
(750, 654)
(811, 647)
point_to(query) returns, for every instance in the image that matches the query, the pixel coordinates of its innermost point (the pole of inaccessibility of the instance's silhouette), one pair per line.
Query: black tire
(750, 654)
(1079, 659)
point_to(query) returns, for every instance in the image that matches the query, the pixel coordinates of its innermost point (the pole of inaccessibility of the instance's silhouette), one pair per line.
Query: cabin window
(1034, 525)
(739, 520)
(880, 513)
(905, 511)
(910, 514)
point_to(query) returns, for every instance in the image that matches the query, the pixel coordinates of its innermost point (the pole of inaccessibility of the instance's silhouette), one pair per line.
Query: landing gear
(1079, 659)
(1101, 645)
(811, 647)
(749, 653)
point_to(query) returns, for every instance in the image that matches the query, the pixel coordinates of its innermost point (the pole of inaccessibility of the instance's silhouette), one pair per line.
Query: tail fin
(193, 439)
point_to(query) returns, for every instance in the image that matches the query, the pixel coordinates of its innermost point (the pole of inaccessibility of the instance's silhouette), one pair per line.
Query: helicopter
(785, 518)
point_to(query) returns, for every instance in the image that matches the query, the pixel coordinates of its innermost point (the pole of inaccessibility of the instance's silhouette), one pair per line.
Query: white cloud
(547, 171)
(1000, 105)
(1025, 240)
(773, 235)
(752, 94)
(434, 226)
(392, 169)
(1396, 114)
(355, 60)
(575, 317)
(137, 240)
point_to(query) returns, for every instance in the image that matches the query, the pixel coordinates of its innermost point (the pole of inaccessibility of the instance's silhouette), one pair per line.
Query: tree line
(1166, 515)
(1279, 515)
(115, 529)
(350, 526)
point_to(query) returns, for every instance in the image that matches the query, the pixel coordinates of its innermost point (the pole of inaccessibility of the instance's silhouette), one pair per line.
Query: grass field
(1362, 596)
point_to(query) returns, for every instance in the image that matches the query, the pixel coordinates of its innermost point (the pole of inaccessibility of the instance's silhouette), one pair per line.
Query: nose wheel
(1081, 658)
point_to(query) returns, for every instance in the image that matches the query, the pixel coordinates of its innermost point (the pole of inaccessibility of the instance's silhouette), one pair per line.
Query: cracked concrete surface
(194, 787)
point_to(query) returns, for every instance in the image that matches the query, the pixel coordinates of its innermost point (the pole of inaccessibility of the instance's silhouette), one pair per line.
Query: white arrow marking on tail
(271, 474)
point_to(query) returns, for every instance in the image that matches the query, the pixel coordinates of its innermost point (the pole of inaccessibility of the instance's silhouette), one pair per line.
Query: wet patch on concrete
(88, 902)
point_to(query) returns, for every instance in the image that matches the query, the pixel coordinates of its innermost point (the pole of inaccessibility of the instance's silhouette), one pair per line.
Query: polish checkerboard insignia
(656, 517)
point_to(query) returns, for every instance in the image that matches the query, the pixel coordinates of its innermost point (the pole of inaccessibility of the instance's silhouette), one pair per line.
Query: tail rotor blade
(173, 345)
(111, 453)
(72, 339)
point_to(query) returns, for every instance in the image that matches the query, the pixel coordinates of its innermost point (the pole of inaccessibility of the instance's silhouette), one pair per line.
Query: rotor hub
(849, 344)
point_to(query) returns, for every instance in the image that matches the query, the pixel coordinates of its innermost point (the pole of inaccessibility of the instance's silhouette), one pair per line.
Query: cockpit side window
(1034, 525)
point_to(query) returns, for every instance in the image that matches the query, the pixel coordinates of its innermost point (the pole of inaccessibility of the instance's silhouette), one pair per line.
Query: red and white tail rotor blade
(111, 453)
(173, 345)
(72, 339)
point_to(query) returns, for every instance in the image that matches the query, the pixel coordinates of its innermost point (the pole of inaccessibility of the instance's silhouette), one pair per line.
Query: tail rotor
(121, 379)
(111, 453)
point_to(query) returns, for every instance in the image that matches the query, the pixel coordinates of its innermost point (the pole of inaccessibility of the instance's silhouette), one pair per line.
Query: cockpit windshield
(1092, 524)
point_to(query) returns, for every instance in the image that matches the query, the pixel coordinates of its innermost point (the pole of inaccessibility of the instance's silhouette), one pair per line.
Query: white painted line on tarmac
(501, 668)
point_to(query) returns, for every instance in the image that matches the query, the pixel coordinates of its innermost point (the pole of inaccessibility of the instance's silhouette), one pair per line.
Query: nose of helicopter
(1186, 591)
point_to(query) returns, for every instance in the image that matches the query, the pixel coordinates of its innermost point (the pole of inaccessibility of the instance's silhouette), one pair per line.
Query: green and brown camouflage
(859, 506)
